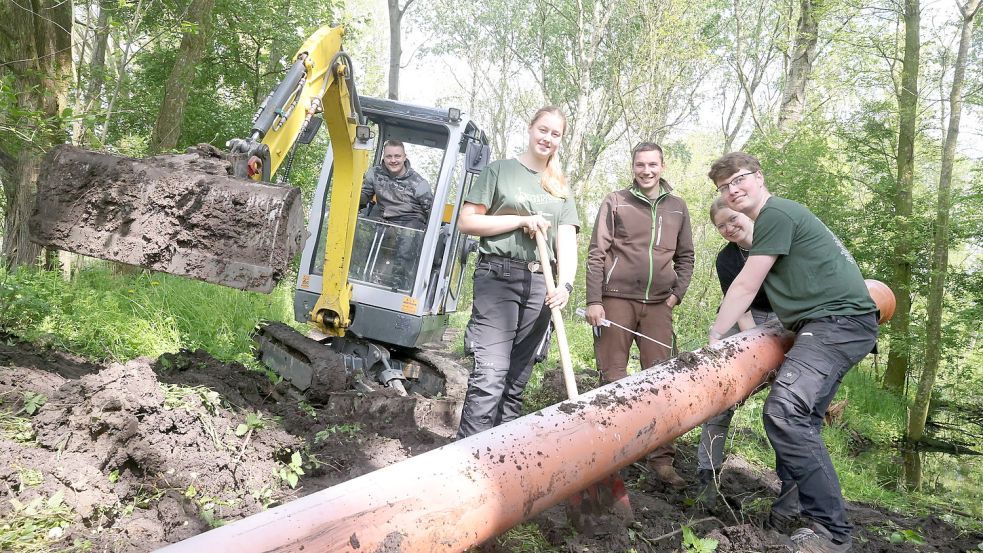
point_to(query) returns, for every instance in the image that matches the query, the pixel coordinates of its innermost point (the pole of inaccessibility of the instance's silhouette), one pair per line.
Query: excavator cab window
(386, 252)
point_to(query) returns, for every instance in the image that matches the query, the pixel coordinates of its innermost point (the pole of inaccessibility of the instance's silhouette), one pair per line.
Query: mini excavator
(216, 216)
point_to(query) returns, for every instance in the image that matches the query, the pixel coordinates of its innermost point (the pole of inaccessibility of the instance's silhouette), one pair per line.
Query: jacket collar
(664, 186)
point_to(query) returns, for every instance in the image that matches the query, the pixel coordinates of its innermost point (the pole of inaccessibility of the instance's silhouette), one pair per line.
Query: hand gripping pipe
(469, 491)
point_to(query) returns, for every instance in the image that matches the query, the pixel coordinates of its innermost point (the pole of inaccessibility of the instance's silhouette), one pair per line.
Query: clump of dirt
(132, 456)
(121, 444)
(181, 214)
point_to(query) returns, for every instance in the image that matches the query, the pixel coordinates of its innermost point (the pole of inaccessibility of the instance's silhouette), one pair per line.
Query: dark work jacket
(405, 200)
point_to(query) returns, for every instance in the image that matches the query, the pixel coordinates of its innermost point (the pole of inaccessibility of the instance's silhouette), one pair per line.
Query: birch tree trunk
(918, 414)
(899, 356)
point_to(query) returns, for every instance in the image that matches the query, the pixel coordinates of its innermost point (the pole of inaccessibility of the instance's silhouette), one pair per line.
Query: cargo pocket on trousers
(787, 376)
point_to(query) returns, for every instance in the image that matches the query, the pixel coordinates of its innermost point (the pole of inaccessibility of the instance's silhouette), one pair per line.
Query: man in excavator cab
(401, 198)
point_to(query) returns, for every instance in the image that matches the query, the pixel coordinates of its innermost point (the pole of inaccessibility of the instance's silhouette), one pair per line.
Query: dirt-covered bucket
(181, 214)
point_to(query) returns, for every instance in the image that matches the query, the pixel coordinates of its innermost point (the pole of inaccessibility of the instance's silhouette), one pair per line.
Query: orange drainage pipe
(458, 496)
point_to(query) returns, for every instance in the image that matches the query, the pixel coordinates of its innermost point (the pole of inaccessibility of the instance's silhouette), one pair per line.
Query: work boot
(667, 475)
(781, 523)
(707, 492)
(817, 539)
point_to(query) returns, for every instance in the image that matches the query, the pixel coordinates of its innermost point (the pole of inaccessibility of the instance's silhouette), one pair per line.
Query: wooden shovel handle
(558, 328)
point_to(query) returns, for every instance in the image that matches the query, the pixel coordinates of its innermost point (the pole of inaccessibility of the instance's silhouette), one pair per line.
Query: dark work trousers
(713, 438)
(407, 253)
(612, 344)
(509, 318)
(824, 350)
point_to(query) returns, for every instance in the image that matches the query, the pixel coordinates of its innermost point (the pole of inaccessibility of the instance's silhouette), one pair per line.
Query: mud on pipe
(469, 491)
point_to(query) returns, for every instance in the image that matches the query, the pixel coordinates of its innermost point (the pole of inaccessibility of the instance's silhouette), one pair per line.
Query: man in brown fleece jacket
(639, 265)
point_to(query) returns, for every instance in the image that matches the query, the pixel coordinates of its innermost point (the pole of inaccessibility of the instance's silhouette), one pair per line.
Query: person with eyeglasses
(639, 265)
(738, 229)
(816, 289)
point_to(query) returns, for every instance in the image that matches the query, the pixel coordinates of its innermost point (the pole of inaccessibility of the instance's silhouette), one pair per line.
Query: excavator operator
(403, 200)
(402, 195)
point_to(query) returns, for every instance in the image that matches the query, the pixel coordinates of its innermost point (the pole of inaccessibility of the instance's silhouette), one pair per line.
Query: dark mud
(180, 214)
(147, 453)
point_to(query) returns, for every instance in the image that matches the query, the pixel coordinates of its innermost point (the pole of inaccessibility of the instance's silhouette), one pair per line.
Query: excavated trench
(147, 453)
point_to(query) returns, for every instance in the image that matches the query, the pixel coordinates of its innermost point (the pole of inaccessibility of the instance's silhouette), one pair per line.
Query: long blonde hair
(552, 179)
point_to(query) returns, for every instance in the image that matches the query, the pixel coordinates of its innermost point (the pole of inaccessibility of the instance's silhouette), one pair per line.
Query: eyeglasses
(736, 181)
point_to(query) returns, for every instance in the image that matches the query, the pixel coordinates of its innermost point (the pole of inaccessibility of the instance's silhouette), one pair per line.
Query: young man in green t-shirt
(817, 291)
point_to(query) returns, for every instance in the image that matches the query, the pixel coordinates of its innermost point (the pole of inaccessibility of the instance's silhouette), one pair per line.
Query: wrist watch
(569, 287)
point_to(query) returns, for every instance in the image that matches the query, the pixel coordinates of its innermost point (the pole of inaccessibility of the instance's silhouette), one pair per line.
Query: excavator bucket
(182, 214)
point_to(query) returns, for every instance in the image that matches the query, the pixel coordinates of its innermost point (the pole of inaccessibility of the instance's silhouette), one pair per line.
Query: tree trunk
(395, 45)
(95, 74)
(36, 49)
(97, 65)
(800, 68)
(918, 414)
(167, 128)
(122, 60)
(274, 69)
(899, 356)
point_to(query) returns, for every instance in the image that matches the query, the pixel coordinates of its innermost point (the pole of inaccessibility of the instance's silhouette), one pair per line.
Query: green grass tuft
(35, 526)
(119, 317)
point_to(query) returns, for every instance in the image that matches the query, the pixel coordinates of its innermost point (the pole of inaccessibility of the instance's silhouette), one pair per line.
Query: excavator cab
(401, 297)
(405, 282)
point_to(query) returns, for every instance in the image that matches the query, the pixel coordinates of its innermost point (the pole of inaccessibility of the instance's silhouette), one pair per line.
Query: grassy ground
(104, 316)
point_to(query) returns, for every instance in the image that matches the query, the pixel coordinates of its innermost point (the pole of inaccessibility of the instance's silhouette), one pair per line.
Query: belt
(509, 263)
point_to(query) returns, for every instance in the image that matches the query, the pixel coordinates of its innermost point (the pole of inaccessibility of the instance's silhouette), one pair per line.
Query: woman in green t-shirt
(508, 204)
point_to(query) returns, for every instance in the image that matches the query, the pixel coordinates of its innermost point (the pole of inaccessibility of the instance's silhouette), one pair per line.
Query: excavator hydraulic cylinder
(469, 491)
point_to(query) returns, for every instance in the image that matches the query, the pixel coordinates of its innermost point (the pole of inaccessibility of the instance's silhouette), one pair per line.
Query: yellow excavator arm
(183, 214)
(319, 82)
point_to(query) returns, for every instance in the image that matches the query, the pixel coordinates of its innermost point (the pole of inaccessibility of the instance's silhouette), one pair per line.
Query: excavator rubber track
(335, 383)
(182, 214)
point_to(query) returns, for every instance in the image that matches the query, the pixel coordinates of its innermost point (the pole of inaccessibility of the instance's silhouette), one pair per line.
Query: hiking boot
(707, 493)
(783, 524)
(667, 475)
(817, 539)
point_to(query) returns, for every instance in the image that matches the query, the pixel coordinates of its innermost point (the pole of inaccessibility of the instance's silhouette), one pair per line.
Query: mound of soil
(129, 457)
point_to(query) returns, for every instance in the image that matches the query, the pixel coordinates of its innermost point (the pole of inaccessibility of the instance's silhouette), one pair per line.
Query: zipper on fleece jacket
(654, 239)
